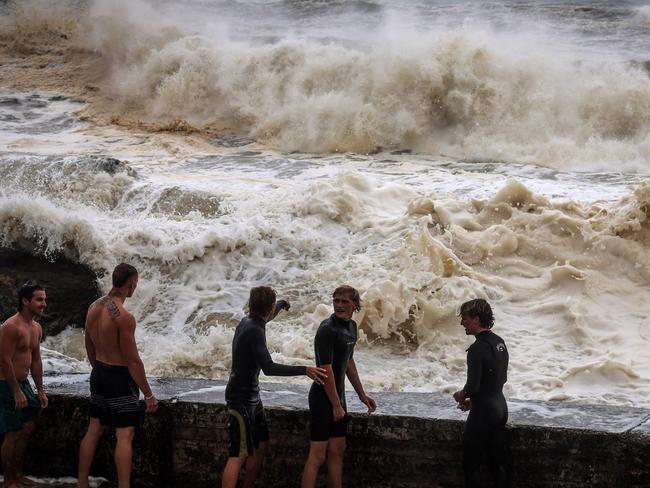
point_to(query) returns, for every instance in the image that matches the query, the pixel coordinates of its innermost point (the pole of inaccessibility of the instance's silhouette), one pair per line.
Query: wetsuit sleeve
(279, 306)
(263, 358)
(324, 345)
(474, 370)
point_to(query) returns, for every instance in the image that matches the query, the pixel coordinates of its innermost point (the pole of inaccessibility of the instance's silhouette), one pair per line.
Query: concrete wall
(412, 441)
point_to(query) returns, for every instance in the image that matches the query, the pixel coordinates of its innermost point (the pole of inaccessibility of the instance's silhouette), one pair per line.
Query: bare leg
(317, 456)
(8, 459)
(87, 450)
(124, 455)
(254, 465)
(335, 451)
(20, 448)
(231, 472)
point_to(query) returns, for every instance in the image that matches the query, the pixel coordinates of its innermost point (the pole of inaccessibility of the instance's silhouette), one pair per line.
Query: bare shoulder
(10, 331)
(10, 322)
(125, 320)
(10, 325)
(106, 302)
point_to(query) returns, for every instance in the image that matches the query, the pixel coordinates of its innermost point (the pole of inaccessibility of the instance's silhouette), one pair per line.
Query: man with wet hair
(247, 426)
(482, 395)
(117, 376)
(334, 347)
(20, 354)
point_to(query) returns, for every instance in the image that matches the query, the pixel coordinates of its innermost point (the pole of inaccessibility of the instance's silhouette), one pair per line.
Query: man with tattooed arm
(117, 376)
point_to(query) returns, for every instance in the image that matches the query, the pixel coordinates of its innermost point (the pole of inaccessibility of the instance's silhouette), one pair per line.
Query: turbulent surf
(425, 152)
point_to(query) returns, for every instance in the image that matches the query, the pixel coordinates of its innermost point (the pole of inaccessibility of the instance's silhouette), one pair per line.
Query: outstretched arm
(263, 358)
(279, 306)
(353, 376)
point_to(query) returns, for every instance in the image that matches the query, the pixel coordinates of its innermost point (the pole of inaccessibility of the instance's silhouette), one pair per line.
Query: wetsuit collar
(258, 320)
(482, 333)
(341, 321)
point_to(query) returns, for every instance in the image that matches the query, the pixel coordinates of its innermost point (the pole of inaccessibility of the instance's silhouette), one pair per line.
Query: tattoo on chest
(109, 305)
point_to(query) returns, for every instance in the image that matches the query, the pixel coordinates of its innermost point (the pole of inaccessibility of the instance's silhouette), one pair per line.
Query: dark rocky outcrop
(70, 288)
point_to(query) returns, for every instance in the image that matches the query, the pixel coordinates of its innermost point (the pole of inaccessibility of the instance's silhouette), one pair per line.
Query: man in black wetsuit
(248, 430)
(334, 345)
(482, 395)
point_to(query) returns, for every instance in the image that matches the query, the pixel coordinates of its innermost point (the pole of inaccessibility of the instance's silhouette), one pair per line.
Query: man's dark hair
(27, 291)
(122, 273)
(352, 293)
(481, 309)
(261, 300)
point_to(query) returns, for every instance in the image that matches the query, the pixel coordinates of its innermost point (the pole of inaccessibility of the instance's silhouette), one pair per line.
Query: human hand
(151, 404)
(285, 304)
(319, 375)
(459, 396)
(43, 398)
(465, 405)
(338, 413)
(368, 402)
(21, 399)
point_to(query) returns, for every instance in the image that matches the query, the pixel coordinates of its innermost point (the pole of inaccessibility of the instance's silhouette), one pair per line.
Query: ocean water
(424, 152)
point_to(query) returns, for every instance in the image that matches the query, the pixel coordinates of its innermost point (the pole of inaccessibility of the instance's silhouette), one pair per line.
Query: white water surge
(559, 247)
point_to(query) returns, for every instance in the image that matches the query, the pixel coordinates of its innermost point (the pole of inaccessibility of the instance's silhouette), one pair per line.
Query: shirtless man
(117, 375)
(20, 353)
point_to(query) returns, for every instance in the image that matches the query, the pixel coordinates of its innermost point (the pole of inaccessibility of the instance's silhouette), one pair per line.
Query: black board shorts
(323, 426)
(247, 427)
(114, 396)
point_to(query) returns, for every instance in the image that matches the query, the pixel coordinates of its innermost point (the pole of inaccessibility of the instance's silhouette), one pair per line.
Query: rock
(70, 288)
(111, 165)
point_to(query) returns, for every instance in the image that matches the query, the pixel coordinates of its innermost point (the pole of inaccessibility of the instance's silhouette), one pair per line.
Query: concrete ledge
(412, 440)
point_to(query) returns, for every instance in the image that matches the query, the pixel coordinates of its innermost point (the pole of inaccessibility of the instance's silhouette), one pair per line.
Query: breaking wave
(460, 92)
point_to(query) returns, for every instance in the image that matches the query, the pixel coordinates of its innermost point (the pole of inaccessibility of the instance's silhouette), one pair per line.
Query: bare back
(103, 323)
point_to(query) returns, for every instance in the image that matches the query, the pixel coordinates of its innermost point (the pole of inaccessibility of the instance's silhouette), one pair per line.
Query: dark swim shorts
(11, 419)
(114, 396)
(247, 427)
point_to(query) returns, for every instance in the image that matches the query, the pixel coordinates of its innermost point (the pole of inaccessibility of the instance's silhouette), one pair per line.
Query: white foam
(562, 256)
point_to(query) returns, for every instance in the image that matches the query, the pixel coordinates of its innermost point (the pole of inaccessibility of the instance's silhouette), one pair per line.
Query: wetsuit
(487, 369)
(247, 424)
(334, 344)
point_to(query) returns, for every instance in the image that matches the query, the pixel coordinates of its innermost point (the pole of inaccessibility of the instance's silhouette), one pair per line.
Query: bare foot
(24, 480)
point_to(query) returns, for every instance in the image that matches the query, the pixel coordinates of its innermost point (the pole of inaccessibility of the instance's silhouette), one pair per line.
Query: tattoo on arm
(109, 305)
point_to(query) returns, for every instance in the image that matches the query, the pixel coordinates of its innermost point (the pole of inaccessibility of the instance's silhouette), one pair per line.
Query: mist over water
(424, 152)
